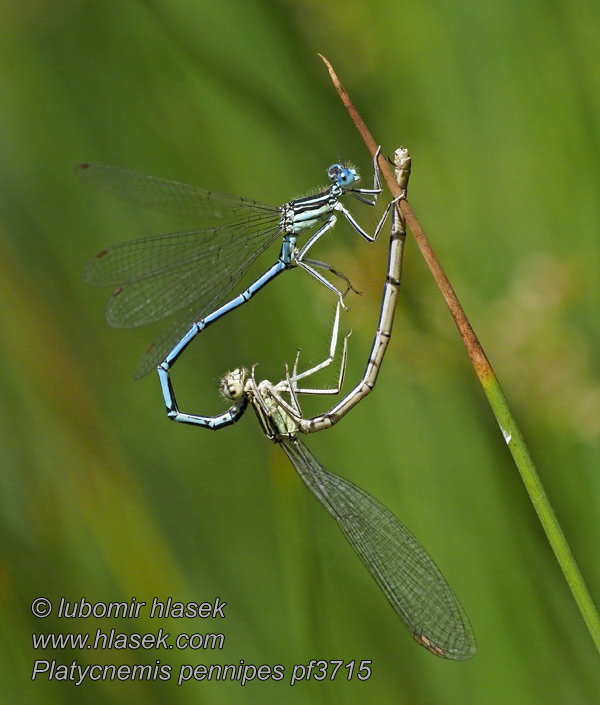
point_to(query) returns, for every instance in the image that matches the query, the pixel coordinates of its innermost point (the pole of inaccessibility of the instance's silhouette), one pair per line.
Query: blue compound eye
(342, 176)
(334, 171)
(346, 178)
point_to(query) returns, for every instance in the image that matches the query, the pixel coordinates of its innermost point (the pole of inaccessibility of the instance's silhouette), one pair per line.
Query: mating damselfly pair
(193, 274)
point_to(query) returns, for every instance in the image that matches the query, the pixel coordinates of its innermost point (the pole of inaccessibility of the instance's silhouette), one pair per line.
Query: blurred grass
(102, 497)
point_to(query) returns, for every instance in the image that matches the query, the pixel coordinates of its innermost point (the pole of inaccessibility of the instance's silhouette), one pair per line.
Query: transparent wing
(158, 276)
(404, 571)
(167, 196)
(190, 272)
(203, 298)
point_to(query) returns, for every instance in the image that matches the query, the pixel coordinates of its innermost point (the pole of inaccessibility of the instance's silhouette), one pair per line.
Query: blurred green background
(101, 497)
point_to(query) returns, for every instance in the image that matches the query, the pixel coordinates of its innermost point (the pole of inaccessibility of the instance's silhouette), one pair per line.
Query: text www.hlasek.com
(112, 639)
(118, 640)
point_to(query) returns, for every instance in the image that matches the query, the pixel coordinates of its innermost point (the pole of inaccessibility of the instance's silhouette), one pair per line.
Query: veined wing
(201, 296)
(157, 276)
(404, 571)
(167, 196)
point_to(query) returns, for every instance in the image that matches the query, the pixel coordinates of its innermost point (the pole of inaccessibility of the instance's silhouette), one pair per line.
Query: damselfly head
(343, 176)
(232, 384)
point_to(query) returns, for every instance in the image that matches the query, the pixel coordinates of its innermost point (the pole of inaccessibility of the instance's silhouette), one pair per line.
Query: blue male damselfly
(193, 273)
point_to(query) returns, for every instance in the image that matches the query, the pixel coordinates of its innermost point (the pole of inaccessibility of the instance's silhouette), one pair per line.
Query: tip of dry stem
(329, 66)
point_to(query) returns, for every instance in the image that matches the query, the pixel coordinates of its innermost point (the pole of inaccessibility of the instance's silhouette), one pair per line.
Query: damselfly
(193, 273)
(404, 571)
(402, 163)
